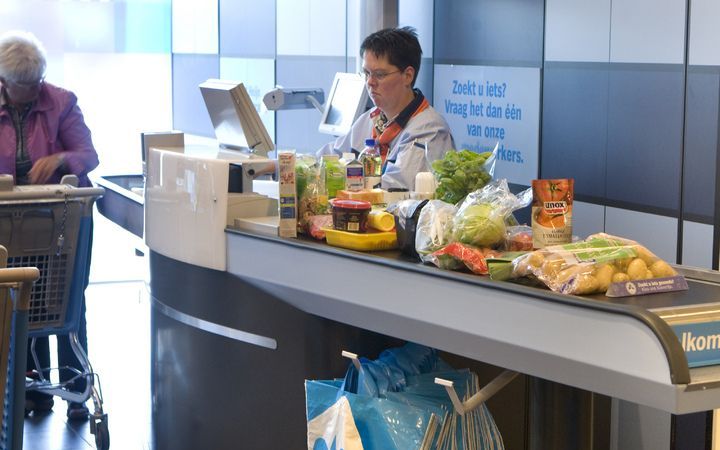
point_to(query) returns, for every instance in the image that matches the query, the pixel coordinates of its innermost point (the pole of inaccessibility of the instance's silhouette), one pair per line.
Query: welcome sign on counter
(487, 105)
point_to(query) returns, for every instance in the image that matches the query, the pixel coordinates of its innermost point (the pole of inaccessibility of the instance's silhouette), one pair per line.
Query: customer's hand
(45, 167)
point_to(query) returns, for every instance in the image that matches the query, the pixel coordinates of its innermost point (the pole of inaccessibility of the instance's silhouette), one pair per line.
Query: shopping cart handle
(19, 274)
(46, 192)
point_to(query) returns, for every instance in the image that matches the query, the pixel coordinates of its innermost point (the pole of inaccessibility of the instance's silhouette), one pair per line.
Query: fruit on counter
(460, 172)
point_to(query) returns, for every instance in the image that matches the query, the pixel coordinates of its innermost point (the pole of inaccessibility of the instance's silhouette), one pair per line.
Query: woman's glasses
(377, 75)
(28, 84)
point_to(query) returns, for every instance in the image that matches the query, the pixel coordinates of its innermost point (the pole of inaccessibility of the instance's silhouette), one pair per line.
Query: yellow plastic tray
(364, 242)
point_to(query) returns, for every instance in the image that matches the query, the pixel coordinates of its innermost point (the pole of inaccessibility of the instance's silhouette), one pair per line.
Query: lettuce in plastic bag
(482, 218)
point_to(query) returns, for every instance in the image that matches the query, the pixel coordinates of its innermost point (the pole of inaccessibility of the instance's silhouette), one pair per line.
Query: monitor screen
(347, 100)
(236, 122)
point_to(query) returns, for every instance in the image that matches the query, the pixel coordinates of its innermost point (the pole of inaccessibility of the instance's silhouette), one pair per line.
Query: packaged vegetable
(482, 217)
(589, 266)
(434, 227)
(461, 172)
(462, 254)
(312, 200)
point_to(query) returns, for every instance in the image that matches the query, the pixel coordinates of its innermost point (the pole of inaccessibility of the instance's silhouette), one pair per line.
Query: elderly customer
(42, 137)
(402, 121)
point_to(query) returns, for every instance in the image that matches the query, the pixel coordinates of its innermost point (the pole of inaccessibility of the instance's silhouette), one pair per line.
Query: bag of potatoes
(589, 266)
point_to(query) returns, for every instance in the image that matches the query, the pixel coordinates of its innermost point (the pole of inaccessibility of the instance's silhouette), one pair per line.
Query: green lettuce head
(480, 225)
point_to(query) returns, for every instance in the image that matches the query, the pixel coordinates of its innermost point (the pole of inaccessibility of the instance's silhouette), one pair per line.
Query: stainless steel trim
(214, 328)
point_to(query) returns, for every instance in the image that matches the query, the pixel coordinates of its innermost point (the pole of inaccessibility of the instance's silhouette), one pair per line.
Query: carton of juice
(552, 212)
(287, 193)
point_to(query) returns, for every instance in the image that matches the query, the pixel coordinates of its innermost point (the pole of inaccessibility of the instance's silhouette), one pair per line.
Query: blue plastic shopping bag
(381, 424)
(393, 403)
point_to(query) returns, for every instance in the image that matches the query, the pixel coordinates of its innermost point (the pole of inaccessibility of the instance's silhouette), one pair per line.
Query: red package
(315, 225)
(472, 257)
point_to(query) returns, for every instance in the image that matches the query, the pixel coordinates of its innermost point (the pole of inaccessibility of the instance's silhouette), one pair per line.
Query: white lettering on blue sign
(701, 343)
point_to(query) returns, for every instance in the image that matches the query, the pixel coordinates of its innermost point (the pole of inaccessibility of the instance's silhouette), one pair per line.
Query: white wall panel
(697, 244)
(588, 218)
(657, 233)
(195, 26)
(293, 37)
(577, 30)
(327, 28)
(311, 27)
(704, 32)
(648, 31)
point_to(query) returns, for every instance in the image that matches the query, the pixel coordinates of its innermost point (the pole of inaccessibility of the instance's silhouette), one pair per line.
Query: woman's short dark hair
(400, 45)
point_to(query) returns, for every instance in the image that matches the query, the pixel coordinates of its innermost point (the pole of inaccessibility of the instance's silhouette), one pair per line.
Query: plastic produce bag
(312, 198)
(461, 172)
(434, 231)
(482, 218)
(589, 266)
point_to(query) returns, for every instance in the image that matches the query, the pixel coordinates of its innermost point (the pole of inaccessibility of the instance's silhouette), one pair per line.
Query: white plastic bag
(334, 428)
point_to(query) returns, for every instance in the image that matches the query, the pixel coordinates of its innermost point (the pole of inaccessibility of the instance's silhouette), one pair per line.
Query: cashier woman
(402, 121)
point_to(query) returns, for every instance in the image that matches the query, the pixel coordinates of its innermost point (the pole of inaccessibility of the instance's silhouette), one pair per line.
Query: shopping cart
(15, 285)
(48, 227)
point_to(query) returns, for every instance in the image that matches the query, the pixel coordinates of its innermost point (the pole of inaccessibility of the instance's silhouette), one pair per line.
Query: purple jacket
(54, 124)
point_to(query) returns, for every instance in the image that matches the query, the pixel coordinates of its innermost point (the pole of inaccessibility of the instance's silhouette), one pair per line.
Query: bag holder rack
(461, 407)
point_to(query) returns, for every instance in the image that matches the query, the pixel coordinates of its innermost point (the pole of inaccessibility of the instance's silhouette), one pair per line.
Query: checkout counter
(240, 320)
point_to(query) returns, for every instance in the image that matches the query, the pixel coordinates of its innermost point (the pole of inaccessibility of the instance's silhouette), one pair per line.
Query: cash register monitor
(347, 100)
(236, 121)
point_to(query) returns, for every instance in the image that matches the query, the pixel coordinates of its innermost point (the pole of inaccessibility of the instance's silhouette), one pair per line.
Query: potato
(528, 264)
(648, 274)
(551, 267)
(566, 274)
(620, 277)
(535, 259)
(585, 284)
(636, 269)
(645, 254)
(604, 273)
(621, 264)
(661, 269)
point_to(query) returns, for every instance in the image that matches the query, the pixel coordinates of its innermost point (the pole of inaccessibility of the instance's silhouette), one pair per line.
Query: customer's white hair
(22, 57)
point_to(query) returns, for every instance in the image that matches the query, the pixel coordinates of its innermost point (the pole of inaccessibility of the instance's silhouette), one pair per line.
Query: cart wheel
(102, 435)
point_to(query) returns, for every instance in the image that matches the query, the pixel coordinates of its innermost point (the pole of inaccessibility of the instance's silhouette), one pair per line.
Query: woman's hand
(45, 167)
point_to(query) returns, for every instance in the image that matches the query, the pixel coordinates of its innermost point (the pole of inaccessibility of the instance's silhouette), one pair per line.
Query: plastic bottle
(333, 175)
(424, 186)
(354, 172)
(372, 164)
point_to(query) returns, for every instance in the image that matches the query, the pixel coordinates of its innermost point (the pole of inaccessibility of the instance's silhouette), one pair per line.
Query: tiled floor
(119, 350)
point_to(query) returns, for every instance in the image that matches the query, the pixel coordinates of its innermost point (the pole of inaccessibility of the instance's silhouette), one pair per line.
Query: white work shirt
(406, 156)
